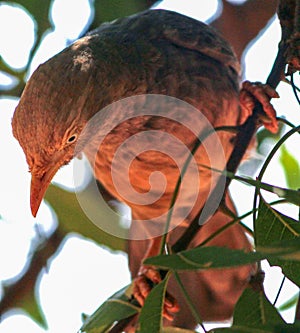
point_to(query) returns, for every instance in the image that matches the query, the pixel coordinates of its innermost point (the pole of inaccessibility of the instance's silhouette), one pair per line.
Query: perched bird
(176, 78)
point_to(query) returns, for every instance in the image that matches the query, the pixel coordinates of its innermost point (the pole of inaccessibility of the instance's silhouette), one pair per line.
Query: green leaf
(289, 303)
(277, 328)
(287, 328)
(40, 13)
(209, 257)
(289, 195)
(107, 10)
(291, 168)
(263, 134)
(204, 258)
(117, 307)
(72, 218)
(150, 320)
(272, 225)
(254, 314)
(32, 308)
(254, 309)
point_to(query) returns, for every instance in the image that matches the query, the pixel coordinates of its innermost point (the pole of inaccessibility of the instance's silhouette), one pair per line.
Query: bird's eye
(72, 138)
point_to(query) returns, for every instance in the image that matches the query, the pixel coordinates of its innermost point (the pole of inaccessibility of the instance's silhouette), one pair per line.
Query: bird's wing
(197, 36)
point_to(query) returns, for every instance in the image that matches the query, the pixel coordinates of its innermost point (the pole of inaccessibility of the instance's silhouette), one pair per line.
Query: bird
(135, 95)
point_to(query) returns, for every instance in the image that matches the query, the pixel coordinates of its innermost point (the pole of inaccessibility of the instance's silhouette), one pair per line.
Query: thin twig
(14, 293)
(279, 291)
(295, 88)
(201, 137)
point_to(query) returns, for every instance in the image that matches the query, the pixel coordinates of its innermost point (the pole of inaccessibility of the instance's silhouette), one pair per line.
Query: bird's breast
(143, 160)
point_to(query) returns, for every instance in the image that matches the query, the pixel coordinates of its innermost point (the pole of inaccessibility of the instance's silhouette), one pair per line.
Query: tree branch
(16, 292)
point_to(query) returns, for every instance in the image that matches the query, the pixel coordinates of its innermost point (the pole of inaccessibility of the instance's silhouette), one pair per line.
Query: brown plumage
(154, 52)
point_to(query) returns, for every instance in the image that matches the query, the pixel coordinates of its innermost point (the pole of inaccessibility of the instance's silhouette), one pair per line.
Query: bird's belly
(143, 168)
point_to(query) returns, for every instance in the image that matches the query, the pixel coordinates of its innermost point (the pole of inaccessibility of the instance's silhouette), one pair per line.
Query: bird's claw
(143, 283)
(256, 91)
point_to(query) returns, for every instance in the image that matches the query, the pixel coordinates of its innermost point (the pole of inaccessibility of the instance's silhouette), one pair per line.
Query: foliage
(276, 234)
(116, 307)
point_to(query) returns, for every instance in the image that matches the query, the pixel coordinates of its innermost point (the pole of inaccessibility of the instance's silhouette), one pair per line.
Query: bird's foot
(144, 282)
(252, 92)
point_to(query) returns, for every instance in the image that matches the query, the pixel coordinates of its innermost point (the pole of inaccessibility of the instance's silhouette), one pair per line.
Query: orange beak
(38, 188)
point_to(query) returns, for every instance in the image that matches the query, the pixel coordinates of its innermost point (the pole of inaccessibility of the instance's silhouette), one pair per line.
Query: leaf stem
(279, 291)
(234, 221)
(201, 138)
(189, 301)
(267, 162)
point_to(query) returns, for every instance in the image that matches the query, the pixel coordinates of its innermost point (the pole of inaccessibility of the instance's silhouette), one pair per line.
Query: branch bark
(16, 292)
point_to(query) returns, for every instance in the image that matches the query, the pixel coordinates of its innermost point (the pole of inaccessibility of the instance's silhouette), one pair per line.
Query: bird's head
(53, 109)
